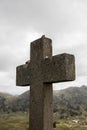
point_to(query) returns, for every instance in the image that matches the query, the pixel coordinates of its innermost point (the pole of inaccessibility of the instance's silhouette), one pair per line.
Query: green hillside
(71, 102)
(68, 102)
(68, 105)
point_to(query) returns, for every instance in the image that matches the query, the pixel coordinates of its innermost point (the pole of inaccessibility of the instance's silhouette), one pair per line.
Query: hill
(68, 102)
(20, 103)
(71, 101)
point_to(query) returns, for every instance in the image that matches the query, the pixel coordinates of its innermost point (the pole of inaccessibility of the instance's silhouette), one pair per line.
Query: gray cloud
(54, 16)
(22, 21)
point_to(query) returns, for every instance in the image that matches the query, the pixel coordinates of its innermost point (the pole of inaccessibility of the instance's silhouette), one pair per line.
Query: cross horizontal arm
(60, 68)
(22, 75)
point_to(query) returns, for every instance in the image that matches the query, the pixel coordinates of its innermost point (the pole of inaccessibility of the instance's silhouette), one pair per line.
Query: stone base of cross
(40, 72)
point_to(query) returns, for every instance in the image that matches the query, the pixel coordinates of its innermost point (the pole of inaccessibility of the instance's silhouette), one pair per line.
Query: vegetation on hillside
(68, 102)
(70, 105)
(71, 102)
(14, 121)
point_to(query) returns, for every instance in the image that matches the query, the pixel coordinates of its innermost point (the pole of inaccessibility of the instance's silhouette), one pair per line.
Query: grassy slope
(20, 121)
(14, 121)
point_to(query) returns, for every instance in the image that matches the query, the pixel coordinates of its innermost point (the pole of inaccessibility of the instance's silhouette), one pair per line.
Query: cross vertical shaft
(41, 94)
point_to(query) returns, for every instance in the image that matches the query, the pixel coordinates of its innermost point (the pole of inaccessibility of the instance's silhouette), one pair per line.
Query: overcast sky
(22, 21)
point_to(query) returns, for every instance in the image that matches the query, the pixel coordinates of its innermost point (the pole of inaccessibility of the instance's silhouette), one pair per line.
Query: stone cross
(40, 72)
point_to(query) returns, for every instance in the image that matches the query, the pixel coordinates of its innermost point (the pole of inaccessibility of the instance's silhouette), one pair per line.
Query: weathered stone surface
(40, 49)
(41, 106)
(40, 73)
(60, 68)
(23, 75)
